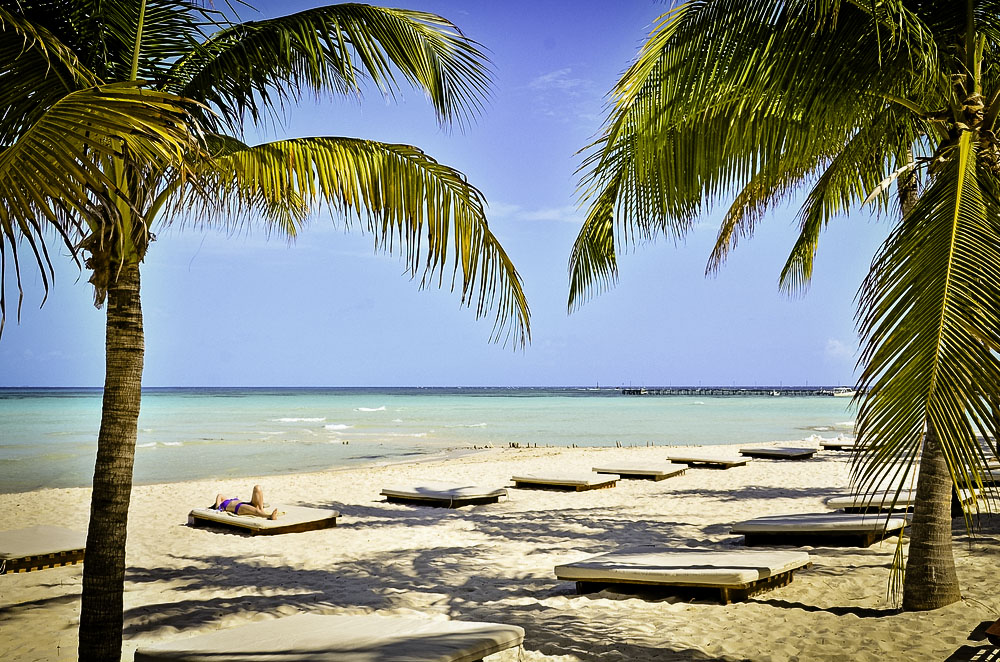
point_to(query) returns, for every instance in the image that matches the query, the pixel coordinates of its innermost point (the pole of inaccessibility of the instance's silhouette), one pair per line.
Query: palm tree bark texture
(931, 580)
(104, 560)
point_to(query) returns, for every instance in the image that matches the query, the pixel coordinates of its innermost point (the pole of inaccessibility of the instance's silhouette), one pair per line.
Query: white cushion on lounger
(39, 540)
(323, 638)
(440, 491)
(658, 471)
(682, 566)
(575, 480)
(287, 516)
(826, 522)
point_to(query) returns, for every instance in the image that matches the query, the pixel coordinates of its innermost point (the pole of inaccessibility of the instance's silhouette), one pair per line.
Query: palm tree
(751, 101)
(193, 76)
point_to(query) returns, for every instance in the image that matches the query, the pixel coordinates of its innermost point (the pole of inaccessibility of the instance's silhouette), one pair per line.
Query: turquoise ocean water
(48, 436)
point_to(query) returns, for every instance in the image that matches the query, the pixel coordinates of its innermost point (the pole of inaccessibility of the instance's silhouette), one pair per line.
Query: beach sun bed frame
(40, 547)
(992, 477)
(334, 638)
(291, 519)
(708, 462)
(444, 495)
(640, 472)
(820, 529)
(993, 633)
(779, 453)
(845, 445)
(880, 501)
(567, 482)
(735, 574)
(975, 654)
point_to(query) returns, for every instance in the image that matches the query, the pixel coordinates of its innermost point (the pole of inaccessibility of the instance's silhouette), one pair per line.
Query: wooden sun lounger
(707, 461)
(993, 633)
(992, 476)
(975, 654)
(642, 471)
(820, 529)
(445, 495)
(326, 638)
(873, 502)
(567, 482)
(838, 445)
(881, 500)
(40, 547)
(735, 574)
(779, 453)
(291, 519)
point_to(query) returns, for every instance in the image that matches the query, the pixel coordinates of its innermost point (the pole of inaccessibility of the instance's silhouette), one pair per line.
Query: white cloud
(501, 210)
(564, 97)
(559, 79)
(565, 214)
(838, 349)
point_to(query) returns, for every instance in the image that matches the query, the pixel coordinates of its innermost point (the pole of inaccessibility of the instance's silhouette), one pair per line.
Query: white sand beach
(495, 563)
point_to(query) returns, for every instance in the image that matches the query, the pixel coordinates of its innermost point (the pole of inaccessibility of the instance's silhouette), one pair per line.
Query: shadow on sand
(464, 582)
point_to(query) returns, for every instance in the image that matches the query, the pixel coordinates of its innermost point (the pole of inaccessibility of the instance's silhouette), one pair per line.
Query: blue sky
(328, 311)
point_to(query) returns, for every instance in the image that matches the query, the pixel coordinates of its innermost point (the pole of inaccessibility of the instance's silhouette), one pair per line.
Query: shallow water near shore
(48, 436)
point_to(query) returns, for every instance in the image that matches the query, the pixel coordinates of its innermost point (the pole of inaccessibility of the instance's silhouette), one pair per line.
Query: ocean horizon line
(650, 387)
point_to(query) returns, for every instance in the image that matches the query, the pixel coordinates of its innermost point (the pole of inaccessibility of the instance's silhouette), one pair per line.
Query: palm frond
(36, 69)
(747, 100)
(255, 67)
(406, 200)
(165, 29)
(771, 184)
(53, 176)
(20, 36)
(931, 327)
(593, 263)
(103, 34)
(849, 178)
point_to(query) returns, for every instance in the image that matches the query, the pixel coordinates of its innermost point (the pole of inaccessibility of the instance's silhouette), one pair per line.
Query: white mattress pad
(287, 515)
(578, 479)
(683, 566)
(39, 540)
(333, 638)
(822, 523)
(442, 491)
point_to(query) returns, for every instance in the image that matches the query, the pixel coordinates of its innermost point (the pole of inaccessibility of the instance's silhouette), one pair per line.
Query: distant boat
(844, 392)
(775, 393)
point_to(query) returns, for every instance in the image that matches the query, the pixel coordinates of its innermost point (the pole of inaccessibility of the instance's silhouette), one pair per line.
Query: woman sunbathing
(255, 507)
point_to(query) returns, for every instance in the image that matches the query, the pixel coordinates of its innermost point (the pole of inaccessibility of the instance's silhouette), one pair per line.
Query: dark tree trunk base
(931, 581)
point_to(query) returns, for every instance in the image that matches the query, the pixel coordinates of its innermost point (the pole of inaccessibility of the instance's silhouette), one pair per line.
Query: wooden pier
(733, 391)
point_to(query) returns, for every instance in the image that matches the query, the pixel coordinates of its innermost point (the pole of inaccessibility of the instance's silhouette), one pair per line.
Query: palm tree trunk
(931, 581)
(104, 563)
